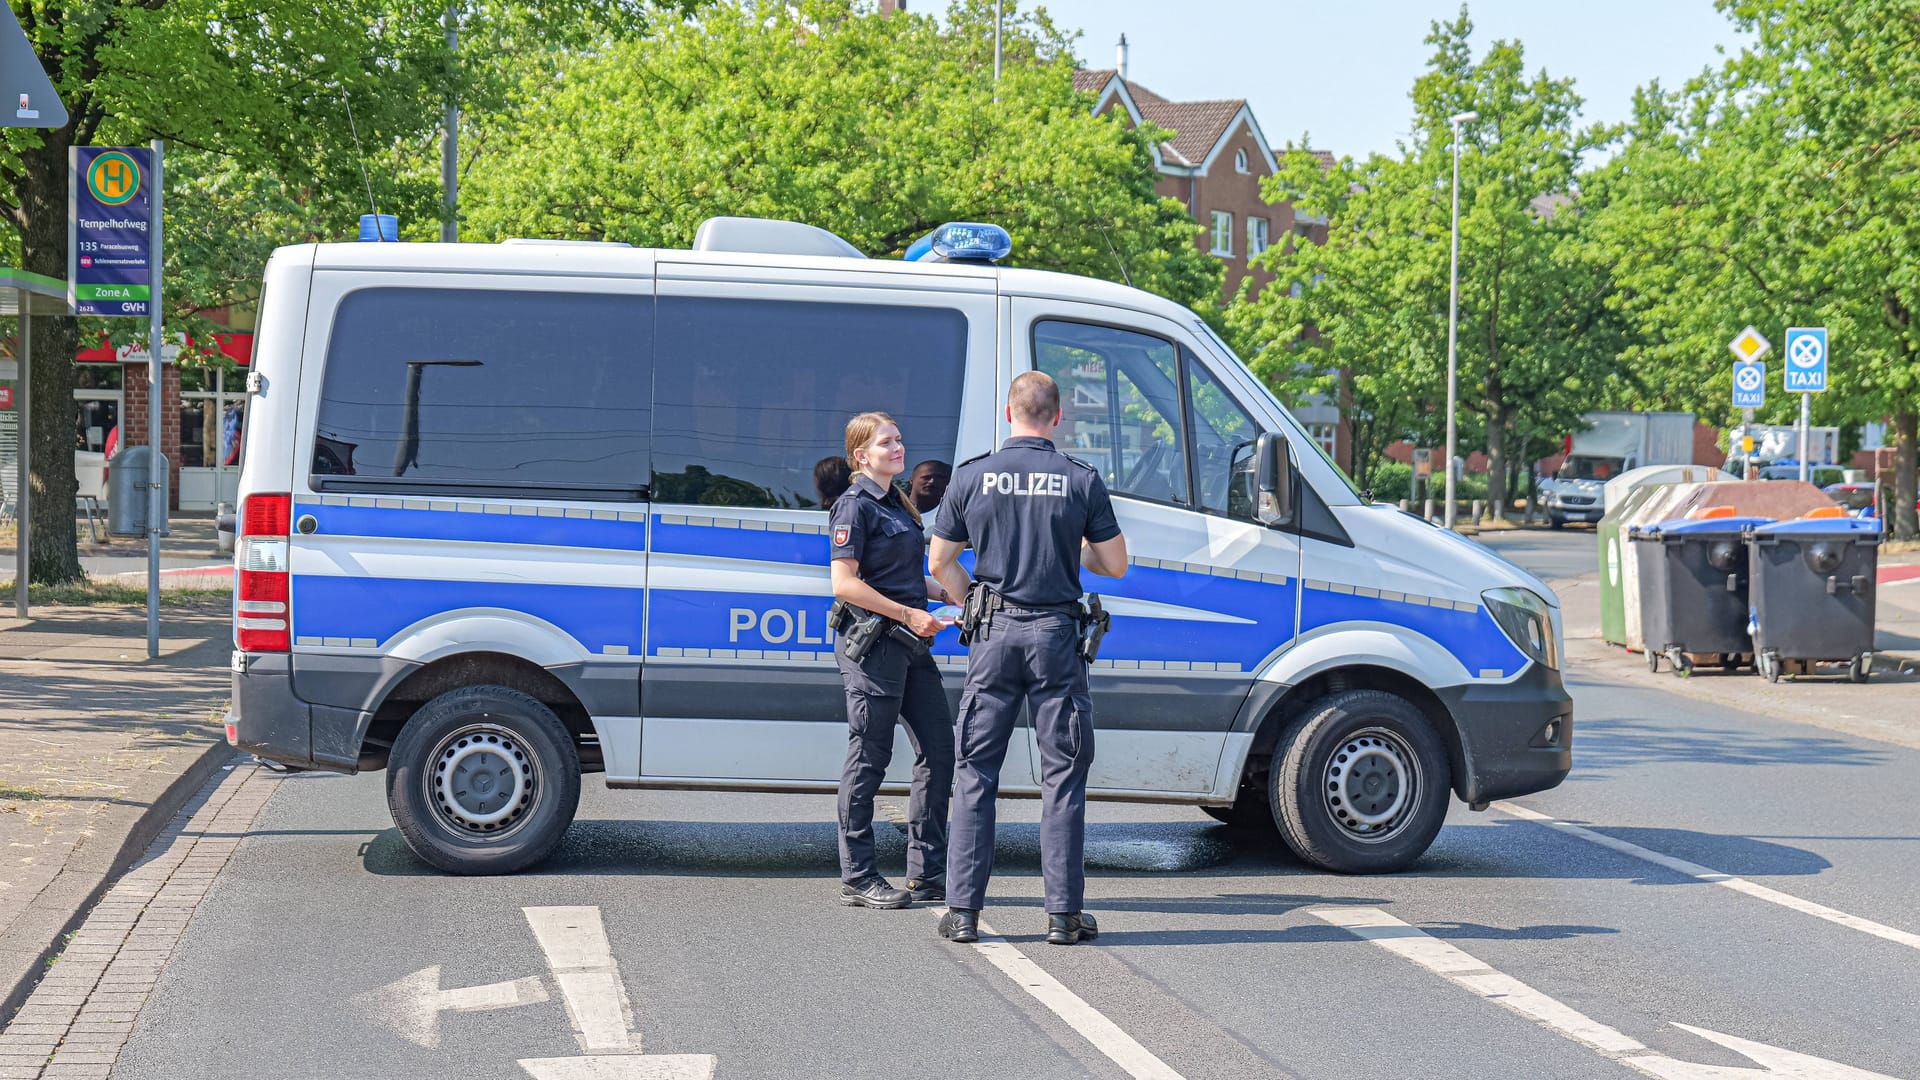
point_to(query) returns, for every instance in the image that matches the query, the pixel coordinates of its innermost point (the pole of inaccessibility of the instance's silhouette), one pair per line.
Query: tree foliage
(875, 128)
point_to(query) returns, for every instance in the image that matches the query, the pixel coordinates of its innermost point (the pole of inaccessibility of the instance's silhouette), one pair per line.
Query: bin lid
(1833, 526)
(1704, 526)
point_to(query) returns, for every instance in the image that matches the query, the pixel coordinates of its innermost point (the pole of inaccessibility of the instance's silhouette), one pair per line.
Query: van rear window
(544, 392)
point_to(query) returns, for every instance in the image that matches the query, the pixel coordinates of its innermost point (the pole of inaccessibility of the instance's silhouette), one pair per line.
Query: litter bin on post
(1812, 594)
(1693, 589)
(130, 498)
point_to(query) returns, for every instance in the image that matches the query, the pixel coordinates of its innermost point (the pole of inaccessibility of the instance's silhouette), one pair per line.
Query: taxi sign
(1805, 371)
(1749, 345)
(1749, 385)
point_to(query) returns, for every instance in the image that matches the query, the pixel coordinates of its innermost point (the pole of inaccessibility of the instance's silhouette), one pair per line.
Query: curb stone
(38, 934)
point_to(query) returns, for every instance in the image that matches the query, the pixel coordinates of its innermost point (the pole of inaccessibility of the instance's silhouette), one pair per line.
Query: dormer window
(1239, 161)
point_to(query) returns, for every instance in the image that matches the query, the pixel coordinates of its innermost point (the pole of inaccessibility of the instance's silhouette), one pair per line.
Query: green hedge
(1393, 481)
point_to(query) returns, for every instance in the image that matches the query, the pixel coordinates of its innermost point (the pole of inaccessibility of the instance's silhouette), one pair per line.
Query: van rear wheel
(1360, 786)
(483, 780)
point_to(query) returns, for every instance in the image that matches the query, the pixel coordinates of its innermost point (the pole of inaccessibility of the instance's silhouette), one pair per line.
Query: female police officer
(878, 553)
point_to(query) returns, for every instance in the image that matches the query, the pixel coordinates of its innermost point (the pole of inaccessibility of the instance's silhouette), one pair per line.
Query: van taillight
(262, 620)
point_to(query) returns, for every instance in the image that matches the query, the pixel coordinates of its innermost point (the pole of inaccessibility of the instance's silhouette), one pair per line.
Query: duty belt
(861, 629)
(976, 617)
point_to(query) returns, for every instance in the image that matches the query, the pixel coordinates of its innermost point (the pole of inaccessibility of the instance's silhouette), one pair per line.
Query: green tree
(1778, 190)
(253, 103)
(875, 128)
(1365, 315)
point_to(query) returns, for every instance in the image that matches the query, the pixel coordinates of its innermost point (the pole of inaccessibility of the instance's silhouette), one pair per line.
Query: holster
(858, 627)
(1094, 622)
(976, 615)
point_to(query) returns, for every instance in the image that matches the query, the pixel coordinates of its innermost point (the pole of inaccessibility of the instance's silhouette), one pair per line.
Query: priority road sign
(1749, 345)
(1749, 385)
(1805, 371)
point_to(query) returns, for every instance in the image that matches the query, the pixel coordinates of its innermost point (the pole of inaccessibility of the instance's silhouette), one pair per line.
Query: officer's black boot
(960, 925)
(874, 892)
(1068, 927)
(924, 890)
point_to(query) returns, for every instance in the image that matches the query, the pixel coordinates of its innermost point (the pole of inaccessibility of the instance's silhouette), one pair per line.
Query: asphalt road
(1515, 949)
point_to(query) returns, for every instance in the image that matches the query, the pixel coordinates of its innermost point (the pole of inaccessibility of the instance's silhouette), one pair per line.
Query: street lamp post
(1453, 313)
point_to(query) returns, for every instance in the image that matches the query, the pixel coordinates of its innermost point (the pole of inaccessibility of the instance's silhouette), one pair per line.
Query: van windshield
(1296, 437)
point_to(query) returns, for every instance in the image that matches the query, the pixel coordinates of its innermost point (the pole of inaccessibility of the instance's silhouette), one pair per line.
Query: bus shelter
(22, 295)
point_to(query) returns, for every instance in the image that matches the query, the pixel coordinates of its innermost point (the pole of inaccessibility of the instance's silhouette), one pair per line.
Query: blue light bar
(961, 241)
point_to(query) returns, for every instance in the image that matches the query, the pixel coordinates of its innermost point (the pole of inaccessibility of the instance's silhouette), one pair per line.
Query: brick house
(1213, 165)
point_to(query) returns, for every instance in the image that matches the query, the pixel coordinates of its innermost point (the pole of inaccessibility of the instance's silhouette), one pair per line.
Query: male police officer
(1026, 509)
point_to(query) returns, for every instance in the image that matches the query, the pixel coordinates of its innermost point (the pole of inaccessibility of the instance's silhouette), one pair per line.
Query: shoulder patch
(1082, 464)
(840, 535)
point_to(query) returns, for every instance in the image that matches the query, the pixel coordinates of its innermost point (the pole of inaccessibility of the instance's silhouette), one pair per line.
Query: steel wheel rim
(481, 782)
(1372, 785)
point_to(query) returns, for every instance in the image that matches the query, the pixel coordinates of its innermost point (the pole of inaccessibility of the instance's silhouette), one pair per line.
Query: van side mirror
(1272, 480)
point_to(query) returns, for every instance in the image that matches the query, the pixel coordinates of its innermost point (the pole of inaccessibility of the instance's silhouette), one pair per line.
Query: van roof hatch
(769, 237)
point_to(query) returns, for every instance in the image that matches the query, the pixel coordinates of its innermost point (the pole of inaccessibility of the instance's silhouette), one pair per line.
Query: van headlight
(1527, 621)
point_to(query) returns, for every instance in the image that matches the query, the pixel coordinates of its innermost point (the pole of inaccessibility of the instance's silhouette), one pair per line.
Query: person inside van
(928, 484)
(831, 478)
(879, 572)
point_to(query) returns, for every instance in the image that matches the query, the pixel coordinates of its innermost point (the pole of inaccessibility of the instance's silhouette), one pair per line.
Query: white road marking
(1463, 970)
(1715, 877)
(575, 942)
(412, 1005)
(1091, 1023)
(618, 1067)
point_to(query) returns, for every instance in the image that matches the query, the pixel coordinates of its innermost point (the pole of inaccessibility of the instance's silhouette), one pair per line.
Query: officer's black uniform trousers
(894, 681)
(1032, 657)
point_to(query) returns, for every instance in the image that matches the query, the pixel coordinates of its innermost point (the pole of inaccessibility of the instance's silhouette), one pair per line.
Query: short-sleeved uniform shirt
(1025, 509)
(872, 526)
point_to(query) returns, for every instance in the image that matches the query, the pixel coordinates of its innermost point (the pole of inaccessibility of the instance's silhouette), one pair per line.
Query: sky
(1340, 72)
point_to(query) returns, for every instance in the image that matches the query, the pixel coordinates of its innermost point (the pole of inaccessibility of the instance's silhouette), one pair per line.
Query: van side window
(753, 396)
(1120, 400)
(476, 388)
(1223, 437)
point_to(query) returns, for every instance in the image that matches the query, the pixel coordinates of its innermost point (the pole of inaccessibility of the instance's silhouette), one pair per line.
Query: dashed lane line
(1091, 1024)
(1711, 876)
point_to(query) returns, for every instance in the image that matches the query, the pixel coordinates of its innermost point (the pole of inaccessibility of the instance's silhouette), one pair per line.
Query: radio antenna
(1117, 261)
(360, 159)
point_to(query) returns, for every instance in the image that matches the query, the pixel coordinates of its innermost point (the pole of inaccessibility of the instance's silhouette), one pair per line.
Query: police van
(514, 513)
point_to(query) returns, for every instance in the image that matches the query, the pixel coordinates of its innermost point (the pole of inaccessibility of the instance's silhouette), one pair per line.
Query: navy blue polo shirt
(1025, 509)
(872, 526)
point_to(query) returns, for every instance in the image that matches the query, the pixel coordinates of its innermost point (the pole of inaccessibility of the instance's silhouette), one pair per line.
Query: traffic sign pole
(156, 467)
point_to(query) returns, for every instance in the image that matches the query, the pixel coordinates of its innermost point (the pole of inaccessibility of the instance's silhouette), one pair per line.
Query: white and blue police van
(514, 513)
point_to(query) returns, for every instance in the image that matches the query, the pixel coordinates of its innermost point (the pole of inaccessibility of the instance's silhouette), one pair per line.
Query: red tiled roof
(1197, 125)
(1090, 82)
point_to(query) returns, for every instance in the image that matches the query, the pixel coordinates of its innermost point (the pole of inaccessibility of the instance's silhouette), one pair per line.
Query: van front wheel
(483, 780)
(1360, 786)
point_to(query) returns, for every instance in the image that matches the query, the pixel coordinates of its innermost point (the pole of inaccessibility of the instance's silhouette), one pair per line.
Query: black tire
(1857, 670)
(509, 747)
(1682, 665)
(1653, 659)
(1768, 664)
(1556, 522)
(1405, 778)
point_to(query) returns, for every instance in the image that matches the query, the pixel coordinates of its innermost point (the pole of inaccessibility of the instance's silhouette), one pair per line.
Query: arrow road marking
(1715, 877)
(412, 1005)
(1463, 970)
(1093, 1025)
(575, 942)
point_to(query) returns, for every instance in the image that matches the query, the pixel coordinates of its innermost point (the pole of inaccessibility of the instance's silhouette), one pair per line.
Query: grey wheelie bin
(1693, 589)
(1812, 594)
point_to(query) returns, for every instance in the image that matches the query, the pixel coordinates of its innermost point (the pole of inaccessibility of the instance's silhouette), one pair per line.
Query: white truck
(1612, 443)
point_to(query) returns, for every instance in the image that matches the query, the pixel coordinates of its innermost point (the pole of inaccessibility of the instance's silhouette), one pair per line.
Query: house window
(1324, 435)
(1256, 236)
(1222, 233)
(1240, 161)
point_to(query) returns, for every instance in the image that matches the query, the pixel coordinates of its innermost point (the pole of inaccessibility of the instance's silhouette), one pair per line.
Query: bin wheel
(1653, 660)
(1857, 669)
(1729, 661)
(1682, 664)
(1768, 664)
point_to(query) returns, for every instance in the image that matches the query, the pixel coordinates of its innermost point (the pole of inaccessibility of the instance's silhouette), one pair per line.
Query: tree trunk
(1906, 523)
(42, 197)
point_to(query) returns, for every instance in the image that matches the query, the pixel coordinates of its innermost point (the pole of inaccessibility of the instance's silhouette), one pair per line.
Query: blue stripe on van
(1471, 636)
(390, 522)
(378, 608)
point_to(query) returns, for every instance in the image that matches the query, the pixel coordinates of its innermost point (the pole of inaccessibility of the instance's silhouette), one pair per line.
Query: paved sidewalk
(98, 747)
(82, 1012)
(189, 557)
